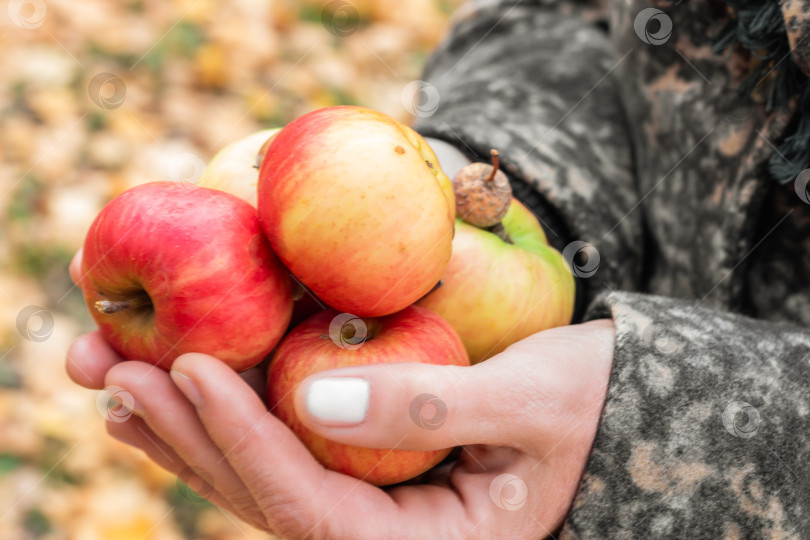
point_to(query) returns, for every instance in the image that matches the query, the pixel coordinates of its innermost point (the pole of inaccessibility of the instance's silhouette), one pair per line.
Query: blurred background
(97, 97)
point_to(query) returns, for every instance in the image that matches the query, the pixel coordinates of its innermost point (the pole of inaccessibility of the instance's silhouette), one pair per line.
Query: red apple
(331, 340)
(173, 268)
(495, 293)
(356, 206)
(235, 168)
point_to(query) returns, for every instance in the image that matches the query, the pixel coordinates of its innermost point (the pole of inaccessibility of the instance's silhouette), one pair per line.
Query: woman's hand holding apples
(526, 419)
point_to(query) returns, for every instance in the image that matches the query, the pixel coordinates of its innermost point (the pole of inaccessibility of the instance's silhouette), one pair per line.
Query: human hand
(526, 419)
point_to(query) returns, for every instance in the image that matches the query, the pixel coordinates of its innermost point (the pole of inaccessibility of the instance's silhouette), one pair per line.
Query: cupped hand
(526, 420)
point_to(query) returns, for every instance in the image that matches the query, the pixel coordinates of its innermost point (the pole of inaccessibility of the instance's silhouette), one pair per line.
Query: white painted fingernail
(341, 400)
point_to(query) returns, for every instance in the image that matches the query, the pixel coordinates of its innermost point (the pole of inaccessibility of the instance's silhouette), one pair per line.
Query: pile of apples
(343, 250)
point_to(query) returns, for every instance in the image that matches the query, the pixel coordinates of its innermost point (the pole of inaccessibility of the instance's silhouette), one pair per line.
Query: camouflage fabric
(635, 139)
(797, 23)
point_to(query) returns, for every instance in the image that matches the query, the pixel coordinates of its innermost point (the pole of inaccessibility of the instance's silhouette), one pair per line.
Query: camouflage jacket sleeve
(533, 80)
(705, 429)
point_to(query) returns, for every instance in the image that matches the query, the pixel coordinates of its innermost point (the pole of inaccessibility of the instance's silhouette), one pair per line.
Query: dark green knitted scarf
(760, 28)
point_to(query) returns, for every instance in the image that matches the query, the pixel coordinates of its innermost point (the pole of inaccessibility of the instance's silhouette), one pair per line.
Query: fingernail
(187, 386)
(341, 400)
(126, 401)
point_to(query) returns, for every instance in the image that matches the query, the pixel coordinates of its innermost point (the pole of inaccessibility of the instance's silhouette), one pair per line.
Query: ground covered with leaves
(97, 97)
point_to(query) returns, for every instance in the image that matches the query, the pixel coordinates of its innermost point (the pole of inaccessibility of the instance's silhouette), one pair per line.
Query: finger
(297, 494)
(300, 498)
(133, 431)
(76, 266)
(515, 399)
(136, 433)
(408, 406)
(89, 359)
(172, 418)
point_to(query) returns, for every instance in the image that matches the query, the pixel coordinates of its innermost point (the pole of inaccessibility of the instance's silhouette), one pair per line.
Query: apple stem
(500, 231)
(109, 306)
(495, 164)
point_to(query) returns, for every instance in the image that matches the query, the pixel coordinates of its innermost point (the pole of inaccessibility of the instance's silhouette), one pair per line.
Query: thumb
(410, 406)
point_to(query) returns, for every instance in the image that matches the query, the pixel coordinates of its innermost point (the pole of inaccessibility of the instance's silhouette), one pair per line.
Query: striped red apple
(330, 340)
(173, 268)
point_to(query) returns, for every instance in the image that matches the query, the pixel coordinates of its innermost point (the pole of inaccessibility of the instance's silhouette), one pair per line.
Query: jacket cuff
(705, 428)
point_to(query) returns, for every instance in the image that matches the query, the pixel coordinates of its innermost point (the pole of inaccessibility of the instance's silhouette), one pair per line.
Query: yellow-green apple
(173, 268)
(235, 168)
(330, 340)
(355, 205)
(496, 292)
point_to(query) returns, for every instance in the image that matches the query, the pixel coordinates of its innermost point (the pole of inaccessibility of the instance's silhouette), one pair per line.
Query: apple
(331, 340)
(495, 293)
(235, 168)
(173, 268)
(356, 207)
